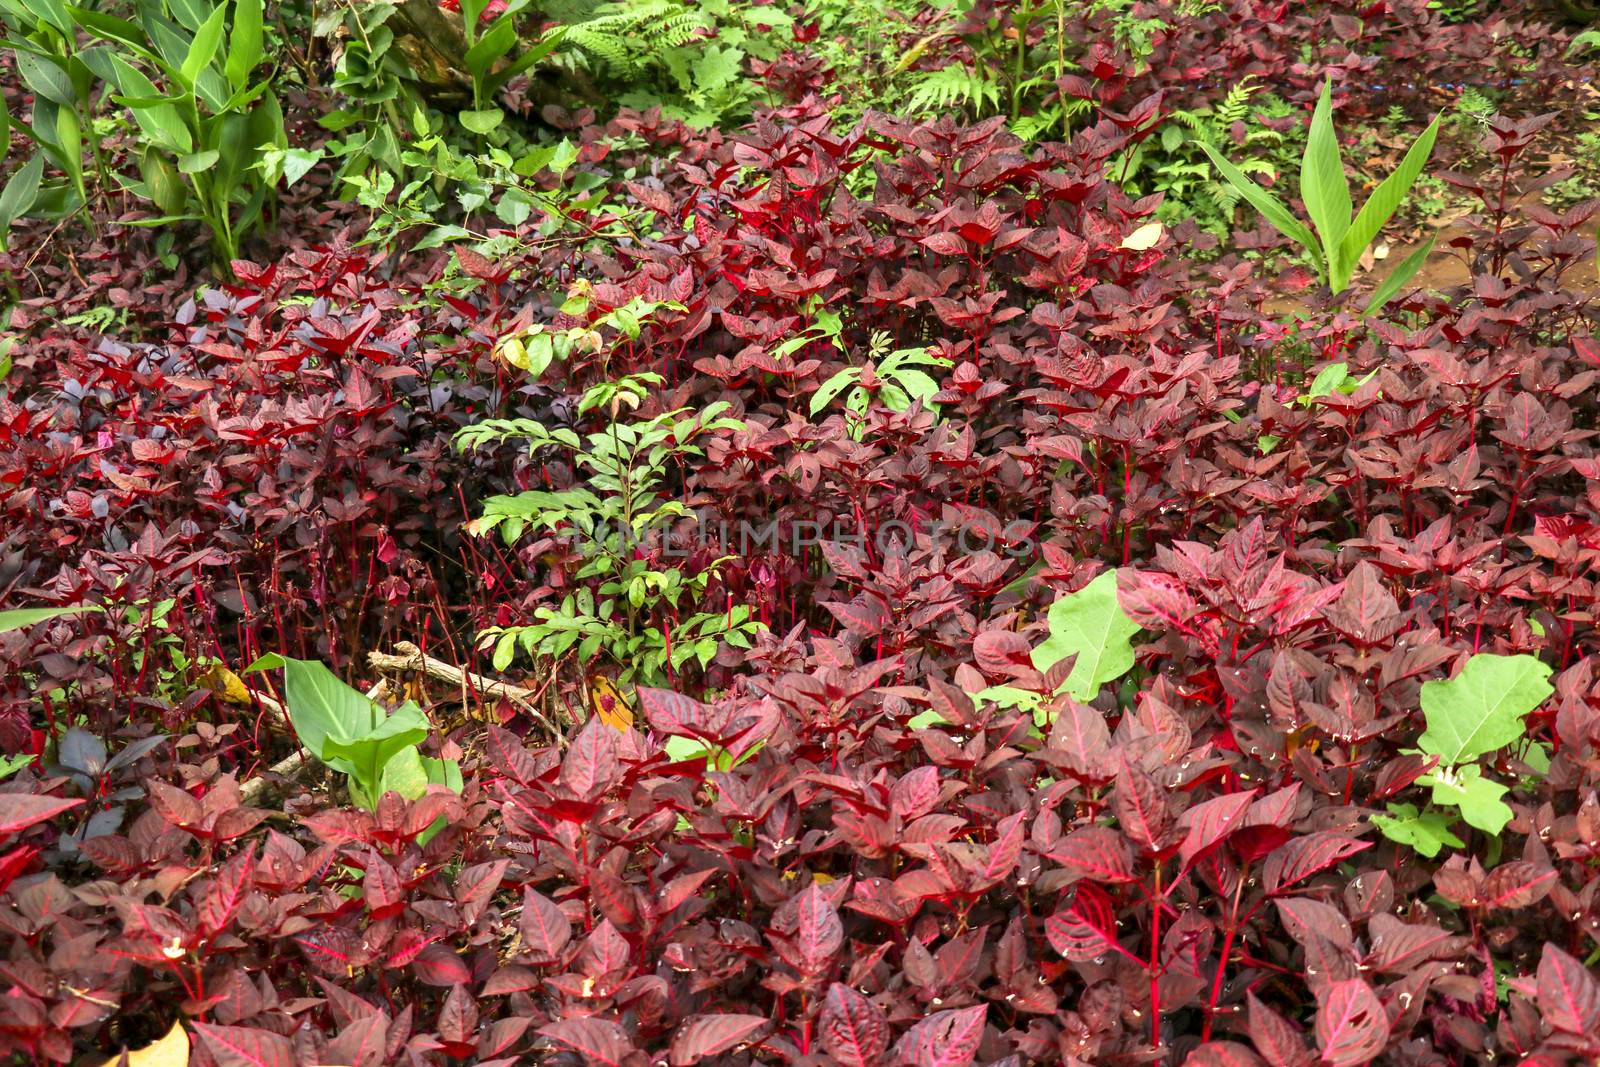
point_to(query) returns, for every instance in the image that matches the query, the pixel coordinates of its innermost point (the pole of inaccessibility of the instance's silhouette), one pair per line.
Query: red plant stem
(1228, 933)
(1155, 962)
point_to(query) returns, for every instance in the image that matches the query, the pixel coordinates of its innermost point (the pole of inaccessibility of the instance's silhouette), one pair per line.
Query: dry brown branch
(473, 687)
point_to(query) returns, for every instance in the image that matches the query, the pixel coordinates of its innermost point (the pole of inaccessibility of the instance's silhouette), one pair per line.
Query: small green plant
(487, 58)
(376, 750)
(1475, 714)
(1089, 627)
(1339, 241)
(622, 502)
(890, 377)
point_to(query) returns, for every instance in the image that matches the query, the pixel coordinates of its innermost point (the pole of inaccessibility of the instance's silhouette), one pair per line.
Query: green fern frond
(627, 36)
(951, 87)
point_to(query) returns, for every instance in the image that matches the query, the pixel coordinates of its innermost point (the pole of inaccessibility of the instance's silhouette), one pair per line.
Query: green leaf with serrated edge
(1477, 797)
(1481, 709)
(1324, 188)
(1091, 625)
(1271, 208)
(1387, 197)
(1426, 832)
(1390, 287)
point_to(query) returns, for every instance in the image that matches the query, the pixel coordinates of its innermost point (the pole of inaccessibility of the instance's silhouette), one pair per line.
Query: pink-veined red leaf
(1305, 856)
(947, 1038)
(246, 1046)
(18, 811)
(1351, 1026)
(1568, 993)
(713, 1035)
(854, 1030)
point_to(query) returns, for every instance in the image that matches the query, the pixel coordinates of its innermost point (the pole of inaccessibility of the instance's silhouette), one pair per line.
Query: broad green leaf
(159, 121)
(1328, 379)
(17, 618)
(1271, 208)
(195, 162)
(46, 77)
(1480, 710)
(1477, 797)
(1390, 287)
(203, 49)
(1091, 625)
(500, 38)
(365, 757)
(110, 28)
(404, 774)
(484, 121)
(244, 44)
(1427, 832)
(320, 705)
(1386, 198)
(1324, 188)
(16, 198)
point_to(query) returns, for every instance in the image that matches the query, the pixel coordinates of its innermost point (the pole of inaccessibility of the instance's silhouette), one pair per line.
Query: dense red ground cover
(1183, 868)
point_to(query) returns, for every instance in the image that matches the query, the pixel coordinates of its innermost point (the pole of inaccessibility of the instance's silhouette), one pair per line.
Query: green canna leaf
(1324, 188)
(1385, 199)
(1271, 208)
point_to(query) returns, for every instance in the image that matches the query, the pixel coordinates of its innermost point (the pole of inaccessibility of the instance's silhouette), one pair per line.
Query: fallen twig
(472, 686)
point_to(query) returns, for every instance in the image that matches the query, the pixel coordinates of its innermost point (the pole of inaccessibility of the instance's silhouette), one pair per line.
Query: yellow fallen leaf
(608, 702)
(1145, 237)
(227, 685)
(172, 1050)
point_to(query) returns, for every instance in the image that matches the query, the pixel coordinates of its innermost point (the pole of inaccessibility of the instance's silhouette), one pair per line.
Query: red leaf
(1351, 1025)
(1007, 848)
(226, 892)
(1087, 929)
(1277, 1039)
(1518, 885)
(1140, 807)
(545, 930)
(245, 1046)
(673, 713)
(1095, 852)
(436, 965)
(507, 755)
(854, 1030)
(945, 1038)
(18, 811)
(711, 1035)
(818, 931)
(1222, 1054)
(1210, 821)
(172, 803)
(591, 763)
(599, 1041)
(381, 887)
(1305, 856)
(1568, 994)
(916, 793)
(458, 1017)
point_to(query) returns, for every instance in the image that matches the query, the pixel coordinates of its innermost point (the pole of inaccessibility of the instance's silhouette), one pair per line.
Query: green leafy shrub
(203, 138)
